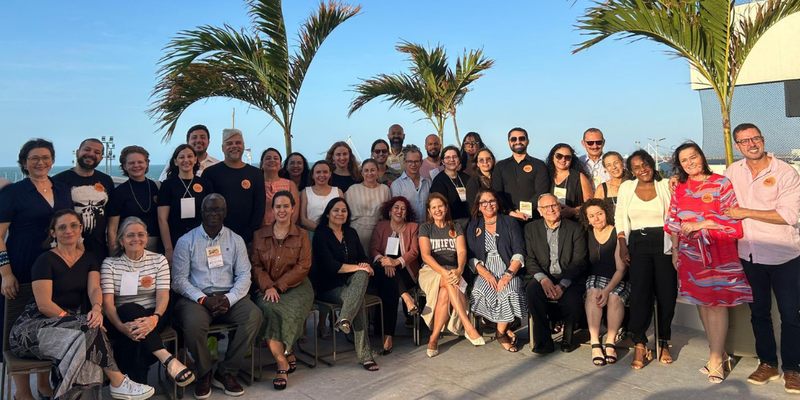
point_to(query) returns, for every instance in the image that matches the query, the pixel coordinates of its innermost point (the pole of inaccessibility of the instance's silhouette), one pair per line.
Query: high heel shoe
(432, 352)
(476, 342)
(727, 365)
(640, 354)
(715, 375)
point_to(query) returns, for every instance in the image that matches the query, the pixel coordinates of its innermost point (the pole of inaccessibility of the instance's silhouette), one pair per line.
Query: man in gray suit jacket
(556, 261)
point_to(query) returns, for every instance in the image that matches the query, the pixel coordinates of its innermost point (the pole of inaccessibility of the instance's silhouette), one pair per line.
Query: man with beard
(241, 184)
(520, 179)
(90, 189)
(199, 138)
(432, 165)
(593, 142)
(396, 137)
(380, 153)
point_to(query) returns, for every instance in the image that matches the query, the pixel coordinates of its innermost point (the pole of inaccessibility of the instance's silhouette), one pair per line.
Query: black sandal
(414, 310)
(343, 325)
(292, 364)
(183, 378)
(371, 366)
(280, 383)
(504, 339)
(512, 336)
(609, 358)
(599, 360)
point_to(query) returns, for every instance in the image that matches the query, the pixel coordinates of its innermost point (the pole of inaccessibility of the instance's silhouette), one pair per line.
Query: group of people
(226, 242)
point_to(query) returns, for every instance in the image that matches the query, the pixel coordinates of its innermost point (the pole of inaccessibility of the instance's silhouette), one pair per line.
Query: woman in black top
(342, 274)
(137, 197)
(469, 150)
(59, 323)
(295, 169)
(346, 171)
(570, 182)
(180, 198)
(452, 184)
(482, 174)
(605, 286)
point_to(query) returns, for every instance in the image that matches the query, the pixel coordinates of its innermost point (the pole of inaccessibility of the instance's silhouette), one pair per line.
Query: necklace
(70, 261)
(397, 230)
(149, 196)
(40, 182)
(490, 223)
(280, 234)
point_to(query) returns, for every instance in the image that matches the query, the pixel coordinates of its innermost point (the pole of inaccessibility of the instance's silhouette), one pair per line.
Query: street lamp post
(109, 146)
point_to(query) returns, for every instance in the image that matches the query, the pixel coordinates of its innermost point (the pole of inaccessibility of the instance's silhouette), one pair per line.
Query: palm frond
(750, 29)
(402, 90)
(268, 20)
(469, 68)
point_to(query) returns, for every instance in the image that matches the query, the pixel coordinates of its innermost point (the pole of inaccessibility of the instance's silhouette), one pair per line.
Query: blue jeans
(784, 281)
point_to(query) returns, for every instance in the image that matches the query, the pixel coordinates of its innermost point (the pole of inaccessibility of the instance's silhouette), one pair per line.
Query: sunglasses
(514, 139)
(566, 157)
(380, 151)
(594, 142)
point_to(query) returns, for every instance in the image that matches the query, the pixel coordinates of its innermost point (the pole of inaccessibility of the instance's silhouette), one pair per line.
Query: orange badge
(527, 168)
(478, 232)
(198, 188)
(453, 233)
(155, 199)
(707, 198)
(147, 281)
(246, 184)
(769, 182)
(99, 187)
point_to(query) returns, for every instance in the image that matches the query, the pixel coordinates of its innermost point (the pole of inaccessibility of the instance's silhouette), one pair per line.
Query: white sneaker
(130, 390)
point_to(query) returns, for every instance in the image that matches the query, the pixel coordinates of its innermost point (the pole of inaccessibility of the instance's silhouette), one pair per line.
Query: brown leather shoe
(764, 374)
(202, 389)
(792, 381)
(227, 383)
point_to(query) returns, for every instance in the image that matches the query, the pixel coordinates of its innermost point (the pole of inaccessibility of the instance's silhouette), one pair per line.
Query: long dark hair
(324, 219)
(476, 213)
(311, 174)
(352, 165)
(48, 243)
(576, 164)
(465, 162)
(676, 161)
(264, 153)
(485, 180)
(648, 159)
(173, 169)
(284, 172)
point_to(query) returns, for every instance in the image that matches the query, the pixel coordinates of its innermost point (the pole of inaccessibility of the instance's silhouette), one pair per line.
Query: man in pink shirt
(768, 191)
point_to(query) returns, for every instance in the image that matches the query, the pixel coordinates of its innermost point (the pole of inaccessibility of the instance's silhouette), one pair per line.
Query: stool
(369, 302)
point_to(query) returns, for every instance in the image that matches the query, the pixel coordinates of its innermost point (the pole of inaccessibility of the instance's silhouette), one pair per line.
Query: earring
(54, 243)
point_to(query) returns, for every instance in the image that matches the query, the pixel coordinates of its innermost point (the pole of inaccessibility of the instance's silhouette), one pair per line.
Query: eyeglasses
(380, 151)
(591, 143)
(742, 142)
(514, 139)
(550, 207)
(134, 235)
(413, 162)
(215, 210)
(487, 203)
(565, 157)
(73, 226)
(451, 158)
(45, 159)
(470, 143)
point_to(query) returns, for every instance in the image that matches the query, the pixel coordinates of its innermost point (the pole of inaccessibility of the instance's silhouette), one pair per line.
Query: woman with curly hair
(346, 171)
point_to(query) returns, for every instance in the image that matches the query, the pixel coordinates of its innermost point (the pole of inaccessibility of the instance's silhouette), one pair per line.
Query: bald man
(432, 164)
(396, 138)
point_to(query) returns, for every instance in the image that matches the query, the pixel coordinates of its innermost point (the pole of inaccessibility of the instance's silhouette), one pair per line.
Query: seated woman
(444, 255)
(281, 258)
(135, 284)
(498, 254)
(605, 287)
(56, 325)
(342, 273)
(394, 252)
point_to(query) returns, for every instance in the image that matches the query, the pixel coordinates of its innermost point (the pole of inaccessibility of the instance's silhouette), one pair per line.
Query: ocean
(14, 174)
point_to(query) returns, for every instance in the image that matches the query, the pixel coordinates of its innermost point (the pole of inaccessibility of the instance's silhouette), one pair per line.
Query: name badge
(393, 246)
(561, 194)
(597, 181)
(462, 193)
(214, 255)
(462, 286)
(187, 208)
(129, 285)
(526, 207)
(396, 167)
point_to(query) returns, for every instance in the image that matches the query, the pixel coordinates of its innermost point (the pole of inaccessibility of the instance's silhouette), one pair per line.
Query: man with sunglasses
(380, 153)
(396, 138)
(768, 191)
(520, 179)
(593, 142)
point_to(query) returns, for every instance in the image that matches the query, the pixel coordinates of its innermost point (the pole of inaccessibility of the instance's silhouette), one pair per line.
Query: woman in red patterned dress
(704, 249)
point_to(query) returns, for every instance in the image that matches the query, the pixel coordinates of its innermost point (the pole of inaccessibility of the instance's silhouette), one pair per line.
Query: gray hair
(212, 197)
(228, 133)
(412, 149)
(121, 232)
(543, 195)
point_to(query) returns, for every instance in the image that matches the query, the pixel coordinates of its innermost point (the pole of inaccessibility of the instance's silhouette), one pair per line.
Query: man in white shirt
(199, 138)
(593, 142)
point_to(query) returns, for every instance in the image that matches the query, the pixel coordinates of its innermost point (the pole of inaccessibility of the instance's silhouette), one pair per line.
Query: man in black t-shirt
(241, 184)
(520, 179)
(90, 189)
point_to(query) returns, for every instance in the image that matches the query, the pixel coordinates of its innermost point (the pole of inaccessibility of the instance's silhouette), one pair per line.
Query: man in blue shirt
(211, 271)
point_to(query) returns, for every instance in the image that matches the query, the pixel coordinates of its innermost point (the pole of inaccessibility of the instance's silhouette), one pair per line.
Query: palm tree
(708, 34)
(431, 86)
(253, 65)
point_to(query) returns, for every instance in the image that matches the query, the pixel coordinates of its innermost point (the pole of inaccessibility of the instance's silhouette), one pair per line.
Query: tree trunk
(287, 136)
(455, 126)
(726, 133)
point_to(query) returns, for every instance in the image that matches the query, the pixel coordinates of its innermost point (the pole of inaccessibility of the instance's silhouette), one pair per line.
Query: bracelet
(97, 304)
(563, 288)
(510, 272)
(63, 313)
(4, 258)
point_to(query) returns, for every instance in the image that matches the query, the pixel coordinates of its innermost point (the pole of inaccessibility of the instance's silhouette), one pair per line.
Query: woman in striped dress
(496, 248)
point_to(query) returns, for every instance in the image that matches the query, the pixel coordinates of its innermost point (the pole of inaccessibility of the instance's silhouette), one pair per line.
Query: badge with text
(561, 194)
(462, 193)
(246, 184)
(769, 182)
(526, 207)
(187, 208)
(214, 255)
(129, 284)
(392, 246)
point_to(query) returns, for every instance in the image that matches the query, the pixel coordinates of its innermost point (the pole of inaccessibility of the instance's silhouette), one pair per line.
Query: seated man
(556, 260)
(211, 271)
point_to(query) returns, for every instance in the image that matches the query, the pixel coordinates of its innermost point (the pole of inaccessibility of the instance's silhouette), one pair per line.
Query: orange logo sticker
(527, 168)
(147, 281)
(155, 199)
(198, 188)
(769, 182)
(453, 233)
(478, 232)
(707, 198)
(246, 184)
(99, 187)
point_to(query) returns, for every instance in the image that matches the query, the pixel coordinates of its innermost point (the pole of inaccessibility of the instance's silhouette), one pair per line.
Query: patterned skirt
(284, 320)
(500, 306)
(79, 353)
(601, 282)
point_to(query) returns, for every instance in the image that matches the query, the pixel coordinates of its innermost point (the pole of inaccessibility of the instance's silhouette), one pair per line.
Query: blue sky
(73, 70)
